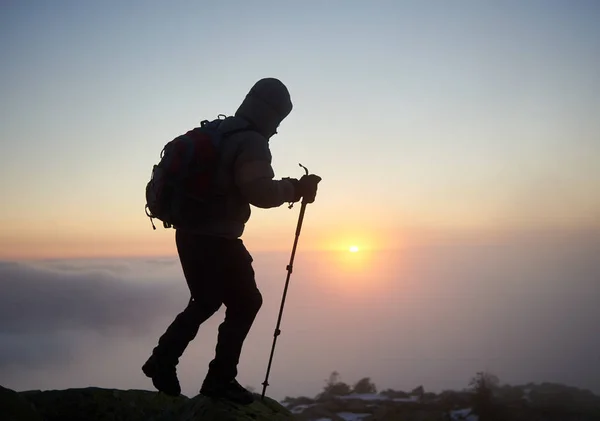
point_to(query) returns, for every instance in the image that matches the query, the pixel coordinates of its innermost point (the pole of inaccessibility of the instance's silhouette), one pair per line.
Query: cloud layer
(44, 309)
(524, 307)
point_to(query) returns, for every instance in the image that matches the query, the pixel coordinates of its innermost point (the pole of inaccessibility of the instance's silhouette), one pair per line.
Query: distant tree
(418, 392)
(364, 386)
(429, 397)
(392, 394)
(334, 387)
(334, 378)
(484, 383)
(291, 402)
(511, 395)
(482, 387)
(452, 399)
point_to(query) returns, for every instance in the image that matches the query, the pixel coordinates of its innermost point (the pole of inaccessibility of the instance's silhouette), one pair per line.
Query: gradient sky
(418, 115)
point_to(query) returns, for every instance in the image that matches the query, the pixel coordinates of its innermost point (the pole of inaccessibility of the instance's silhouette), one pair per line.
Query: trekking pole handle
(291, 205)
(306, 172)
(304, 202)
(305, 169)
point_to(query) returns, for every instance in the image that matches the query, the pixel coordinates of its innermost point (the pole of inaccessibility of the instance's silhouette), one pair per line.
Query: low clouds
(524, 307)
(45, 311)
(38, 350)
(35, 300)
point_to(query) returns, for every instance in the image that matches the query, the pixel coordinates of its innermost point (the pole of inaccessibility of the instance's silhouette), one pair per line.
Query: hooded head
(266, 105)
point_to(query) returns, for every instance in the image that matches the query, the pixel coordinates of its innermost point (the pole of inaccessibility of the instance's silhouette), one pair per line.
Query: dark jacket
(245, 176)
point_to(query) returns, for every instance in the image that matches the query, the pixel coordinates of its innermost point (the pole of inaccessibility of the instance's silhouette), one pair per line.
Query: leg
(161, 366)
(183, 330)
(198, 268)
(201, 273)
(243, 301)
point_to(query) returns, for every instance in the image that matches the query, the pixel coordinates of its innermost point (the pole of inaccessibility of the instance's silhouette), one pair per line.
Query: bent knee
(245, 304)
(204, 307)
(255, 302)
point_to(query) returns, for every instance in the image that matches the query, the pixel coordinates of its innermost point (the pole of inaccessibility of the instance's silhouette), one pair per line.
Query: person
(216, 264)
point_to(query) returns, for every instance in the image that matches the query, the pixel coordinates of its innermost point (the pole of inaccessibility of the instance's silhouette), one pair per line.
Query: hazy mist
(524, 307)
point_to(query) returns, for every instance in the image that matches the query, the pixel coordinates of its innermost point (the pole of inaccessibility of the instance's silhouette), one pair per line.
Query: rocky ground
(96, 404)
(546, 402)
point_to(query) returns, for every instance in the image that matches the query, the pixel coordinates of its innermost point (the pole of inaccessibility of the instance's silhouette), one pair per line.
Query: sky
(417, 115)
(441, 131)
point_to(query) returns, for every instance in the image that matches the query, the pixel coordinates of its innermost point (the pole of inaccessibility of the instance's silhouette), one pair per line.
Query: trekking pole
(287, 281)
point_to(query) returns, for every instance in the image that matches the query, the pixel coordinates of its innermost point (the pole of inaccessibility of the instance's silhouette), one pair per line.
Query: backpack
(183, 182)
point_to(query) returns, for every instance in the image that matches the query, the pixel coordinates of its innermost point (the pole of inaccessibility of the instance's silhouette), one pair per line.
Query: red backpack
(183, 181)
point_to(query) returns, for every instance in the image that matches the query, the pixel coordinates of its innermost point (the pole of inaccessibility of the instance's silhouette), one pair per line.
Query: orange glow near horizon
(75, 250)
(354, 242)
(74, 244)
(351, 246)
(86, 239)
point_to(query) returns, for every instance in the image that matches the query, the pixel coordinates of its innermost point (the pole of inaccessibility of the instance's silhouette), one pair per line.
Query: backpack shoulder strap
(244, 128)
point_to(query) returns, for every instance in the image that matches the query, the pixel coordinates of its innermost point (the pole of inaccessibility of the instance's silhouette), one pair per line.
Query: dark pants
(218, 271)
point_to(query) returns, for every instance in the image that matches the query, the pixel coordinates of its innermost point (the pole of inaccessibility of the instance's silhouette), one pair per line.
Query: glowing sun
(353, 249)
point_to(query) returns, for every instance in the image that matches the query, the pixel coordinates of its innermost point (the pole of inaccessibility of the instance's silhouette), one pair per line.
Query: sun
(353, 249)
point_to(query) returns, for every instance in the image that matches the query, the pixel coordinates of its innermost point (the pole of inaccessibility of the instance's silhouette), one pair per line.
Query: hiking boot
(231, 391)
(164, 376)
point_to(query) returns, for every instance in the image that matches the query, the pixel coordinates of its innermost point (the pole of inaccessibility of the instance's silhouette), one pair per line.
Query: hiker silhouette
(215, 262)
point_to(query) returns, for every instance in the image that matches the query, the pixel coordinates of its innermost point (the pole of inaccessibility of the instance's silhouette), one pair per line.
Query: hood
(266, 105)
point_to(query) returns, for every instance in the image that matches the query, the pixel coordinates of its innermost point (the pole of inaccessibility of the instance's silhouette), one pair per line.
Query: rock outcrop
(541, 402)
(201, 408)
(97, 404)
(14, 407)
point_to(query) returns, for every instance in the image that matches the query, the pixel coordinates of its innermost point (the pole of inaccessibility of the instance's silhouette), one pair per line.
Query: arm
(254, 174)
